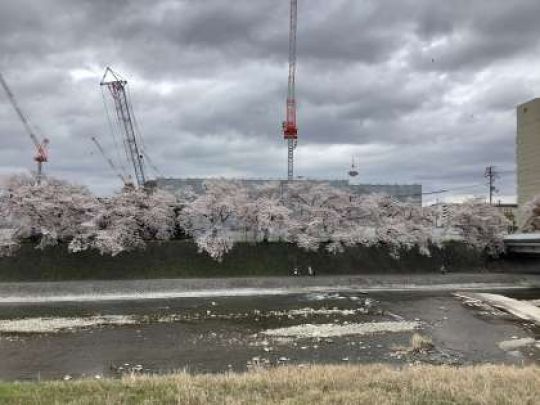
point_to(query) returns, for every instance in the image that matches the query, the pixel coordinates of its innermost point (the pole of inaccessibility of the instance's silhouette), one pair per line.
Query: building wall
(402, 192)
(528, 150)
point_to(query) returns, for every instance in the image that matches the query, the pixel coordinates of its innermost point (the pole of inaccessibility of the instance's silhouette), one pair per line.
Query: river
(216, 333)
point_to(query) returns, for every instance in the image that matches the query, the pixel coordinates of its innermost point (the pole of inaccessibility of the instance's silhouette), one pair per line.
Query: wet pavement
(217, 334)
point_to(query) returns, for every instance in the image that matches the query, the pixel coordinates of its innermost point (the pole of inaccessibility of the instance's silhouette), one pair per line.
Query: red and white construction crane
(290, 130)
(41, 155)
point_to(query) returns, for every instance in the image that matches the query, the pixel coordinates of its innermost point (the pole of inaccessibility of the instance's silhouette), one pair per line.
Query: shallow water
(217, 334)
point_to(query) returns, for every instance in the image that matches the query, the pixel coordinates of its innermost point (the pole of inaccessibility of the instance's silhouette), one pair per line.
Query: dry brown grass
(418, 344)
(421, 343)
(373, 384)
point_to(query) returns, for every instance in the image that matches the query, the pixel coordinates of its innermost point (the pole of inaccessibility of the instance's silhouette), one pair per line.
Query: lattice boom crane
(117, 88)
(41, 155)
(290, 130)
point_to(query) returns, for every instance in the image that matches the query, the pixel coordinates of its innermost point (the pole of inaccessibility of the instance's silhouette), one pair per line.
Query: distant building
(528, 150)
(443, 213)
(510, 211)
(402, 192)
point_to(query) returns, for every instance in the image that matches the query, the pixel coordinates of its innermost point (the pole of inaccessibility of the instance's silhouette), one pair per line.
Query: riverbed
(70, 339)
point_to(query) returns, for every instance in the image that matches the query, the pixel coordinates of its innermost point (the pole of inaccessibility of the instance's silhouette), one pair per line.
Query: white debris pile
(51, 325)
(321, 311)
(324, 311)
(333, 330)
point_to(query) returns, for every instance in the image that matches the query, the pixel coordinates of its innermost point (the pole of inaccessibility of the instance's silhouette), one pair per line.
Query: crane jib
(41, 154)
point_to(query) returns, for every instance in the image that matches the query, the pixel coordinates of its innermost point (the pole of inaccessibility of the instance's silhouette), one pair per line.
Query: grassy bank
(372, 384)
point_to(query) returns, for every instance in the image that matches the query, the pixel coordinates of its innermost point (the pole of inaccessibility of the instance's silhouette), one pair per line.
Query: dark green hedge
(180, 259)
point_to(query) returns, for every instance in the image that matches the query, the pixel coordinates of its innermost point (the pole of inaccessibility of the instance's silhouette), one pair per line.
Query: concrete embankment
(520, 309)
(181, 259)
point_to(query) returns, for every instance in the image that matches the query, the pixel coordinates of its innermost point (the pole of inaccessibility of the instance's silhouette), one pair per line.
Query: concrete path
(116, 290)
(521, 309)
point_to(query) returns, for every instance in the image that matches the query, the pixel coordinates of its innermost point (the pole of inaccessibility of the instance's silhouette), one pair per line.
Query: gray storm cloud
(420, 91)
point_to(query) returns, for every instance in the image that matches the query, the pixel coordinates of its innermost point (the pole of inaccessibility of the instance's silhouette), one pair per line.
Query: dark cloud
(464, 35)
(419, 90)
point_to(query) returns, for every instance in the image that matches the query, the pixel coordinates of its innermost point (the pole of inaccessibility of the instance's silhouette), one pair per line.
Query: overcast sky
(419, 91)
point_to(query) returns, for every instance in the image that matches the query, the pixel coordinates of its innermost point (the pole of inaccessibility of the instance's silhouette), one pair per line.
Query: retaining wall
(180, 259)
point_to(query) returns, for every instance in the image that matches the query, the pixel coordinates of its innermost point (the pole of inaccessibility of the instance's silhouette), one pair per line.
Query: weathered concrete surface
(509, 345)
(521, 309)
(127, 290)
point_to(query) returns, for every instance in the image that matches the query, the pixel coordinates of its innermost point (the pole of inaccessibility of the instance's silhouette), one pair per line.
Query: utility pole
(491, 175)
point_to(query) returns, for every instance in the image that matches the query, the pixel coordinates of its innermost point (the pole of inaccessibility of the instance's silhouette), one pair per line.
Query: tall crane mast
(125, 180)
(41, 155)
(290, 130)
(117, 88)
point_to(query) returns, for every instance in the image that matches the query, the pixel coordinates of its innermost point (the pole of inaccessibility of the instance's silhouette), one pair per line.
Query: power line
(467, 187)
(442, 191)
(113, 134)
(506, 172)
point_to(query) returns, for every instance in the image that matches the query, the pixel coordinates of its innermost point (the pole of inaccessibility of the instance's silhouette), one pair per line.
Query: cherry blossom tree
(128, 221)
(227, 210)
(337, 218)
(318, 211)
(378, 219)
(311, 215)
(479, 225)
(8, 242)
(212, 217)
(50, 212)
(265, 218)
(530, 214)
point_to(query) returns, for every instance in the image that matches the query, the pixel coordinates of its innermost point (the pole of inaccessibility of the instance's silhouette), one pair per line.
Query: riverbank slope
(298, 385)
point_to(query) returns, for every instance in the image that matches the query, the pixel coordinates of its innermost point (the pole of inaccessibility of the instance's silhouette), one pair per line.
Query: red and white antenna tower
(290, 130)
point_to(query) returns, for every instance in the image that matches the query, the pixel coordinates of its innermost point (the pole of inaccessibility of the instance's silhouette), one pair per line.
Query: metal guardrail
(526, 244)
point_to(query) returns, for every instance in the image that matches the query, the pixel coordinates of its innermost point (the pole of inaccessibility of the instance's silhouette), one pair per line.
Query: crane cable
(141, 138)
(113, 134)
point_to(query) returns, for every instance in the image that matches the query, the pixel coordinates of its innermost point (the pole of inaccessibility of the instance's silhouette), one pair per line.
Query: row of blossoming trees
(311, 216)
